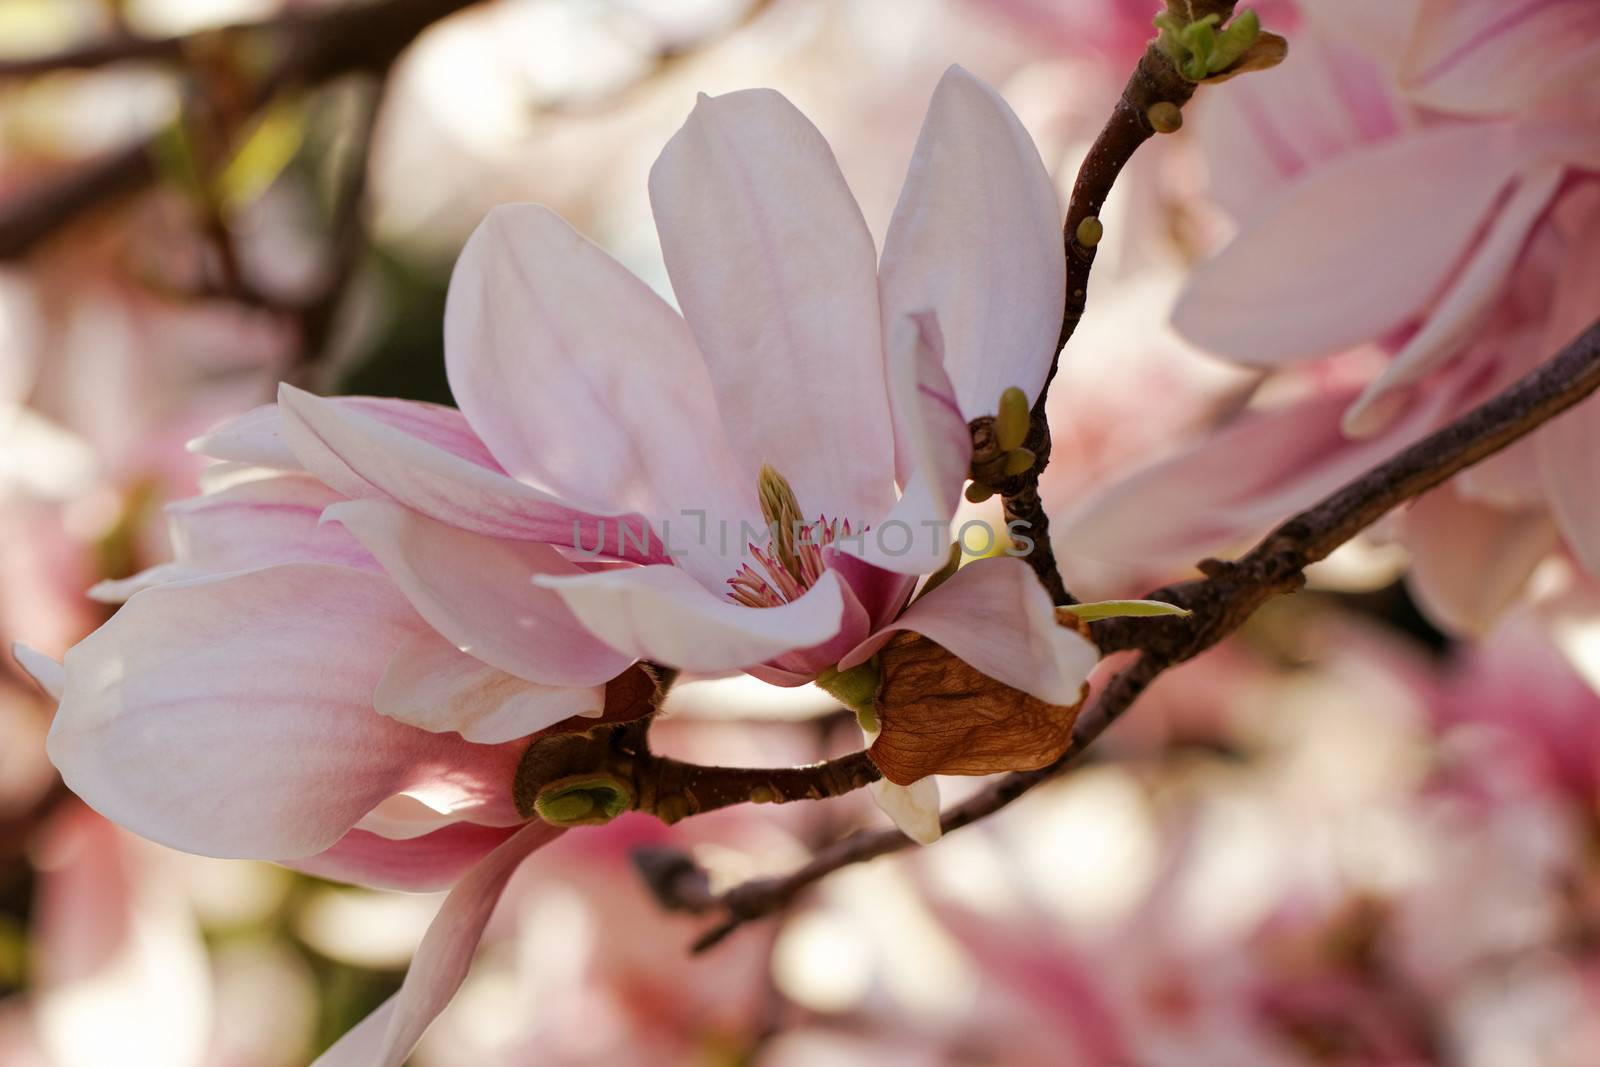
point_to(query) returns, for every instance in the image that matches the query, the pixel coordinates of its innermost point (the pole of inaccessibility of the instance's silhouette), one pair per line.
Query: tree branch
(1221, 602)
(1155, 82)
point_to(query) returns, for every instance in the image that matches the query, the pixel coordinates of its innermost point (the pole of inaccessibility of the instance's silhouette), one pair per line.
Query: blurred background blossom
(1363, 833)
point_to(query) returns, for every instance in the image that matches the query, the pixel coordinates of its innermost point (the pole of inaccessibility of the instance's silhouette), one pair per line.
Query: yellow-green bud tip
(1018, 461)
(1089, 231)
(1012, 423)
(583, 801)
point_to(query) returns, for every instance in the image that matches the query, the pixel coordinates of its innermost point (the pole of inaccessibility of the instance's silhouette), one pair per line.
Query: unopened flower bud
(1165, 116)
(1019, 461)
(583, 800)
(1012, 423)
(1089, 231)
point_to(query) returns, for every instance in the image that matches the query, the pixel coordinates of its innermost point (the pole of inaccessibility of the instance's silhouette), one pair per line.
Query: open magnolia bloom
(805, 377)
(378, 603)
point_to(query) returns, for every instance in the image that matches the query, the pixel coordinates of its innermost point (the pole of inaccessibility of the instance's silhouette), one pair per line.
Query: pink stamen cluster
(776, 583)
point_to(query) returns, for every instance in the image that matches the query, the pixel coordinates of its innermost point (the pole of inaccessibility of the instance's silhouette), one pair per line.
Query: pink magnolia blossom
(1470, 129)
(377, 602)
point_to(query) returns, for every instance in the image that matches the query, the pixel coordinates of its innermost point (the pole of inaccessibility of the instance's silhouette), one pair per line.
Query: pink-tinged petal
(976, 238)
(914, 808)
(49, 675)
(232, 716)
(402, 816)
(1494, 57)
(881, 593)
(1470, 562)
(426, 863)
(254, 438)
(1452, 322)
(386, 1037)
(1351, 281)
(775, 271)
(580, 377)
(1566, 447)
(362, 456)
(934, 447)
(1329, 98)
(257, 437)
(254, 524)
(431, 685)
(664, 615)
(1233, 486)
(995, 616)
(478, 593)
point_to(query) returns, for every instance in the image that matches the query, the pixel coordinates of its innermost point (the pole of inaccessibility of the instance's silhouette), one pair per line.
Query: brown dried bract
(940, 716)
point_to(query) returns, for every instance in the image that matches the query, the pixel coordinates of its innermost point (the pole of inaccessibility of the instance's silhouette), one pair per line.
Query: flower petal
(976, 238)
(1231, 487)
(477, 592)
(914, 808)
(257, 523)
(1491, 57)
(579, 376)
(1469, 562)
(775, 271)
(386, 1037)
(232, 716)
(426, 863)
(1464, 304)
(934, 449)
(662, 614)
(431, 685)
(995, 616)
(1351, 282)
(362, 457)
(46, 673)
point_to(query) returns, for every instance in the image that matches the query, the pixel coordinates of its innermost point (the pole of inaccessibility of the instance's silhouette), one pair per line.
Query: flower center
(792, 560)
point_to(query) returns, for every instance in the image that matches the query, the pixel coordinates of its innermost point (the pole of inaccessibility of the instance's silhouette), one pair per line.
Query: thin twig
(1222, 602)
(1155, 80)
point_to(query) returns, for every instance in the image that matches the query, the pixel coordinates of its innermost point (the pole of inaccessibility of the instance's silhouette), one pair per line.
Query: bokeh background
(1341, 838)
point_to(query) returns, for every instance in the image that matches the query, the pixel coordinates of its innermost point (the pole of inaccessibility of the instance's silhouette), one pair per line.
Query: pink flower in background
(1324, 163)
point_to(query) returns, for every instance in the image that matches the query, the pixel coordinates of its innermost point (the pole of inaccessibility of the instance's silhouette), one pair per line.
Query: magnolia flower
(1436, 256)
(377, 603)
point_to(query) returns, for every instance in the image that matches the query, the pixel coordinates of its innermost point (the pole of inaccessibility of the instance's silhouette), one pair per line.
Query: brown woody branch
(1155, 82)
(1221, 602)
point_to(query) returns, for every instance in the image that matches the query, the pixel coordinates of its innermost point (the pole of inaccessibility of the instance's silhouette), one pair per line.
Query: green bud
(1233, 42)
(1111, 609)
(1011, 425)
(1165, 116)
(1089, 231)
(977, 493)
(1019, 461)
(583, 800)
(855, 688)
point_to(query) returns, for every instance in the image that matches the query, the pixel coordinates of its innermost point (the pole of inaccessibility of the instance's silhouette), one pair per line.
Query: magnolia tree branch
(1220, 602)
(1151, 102)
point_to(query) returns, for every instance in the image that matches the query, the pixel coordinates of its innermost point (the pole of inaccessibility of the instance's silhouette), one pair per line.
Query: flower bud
(1011, 425)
